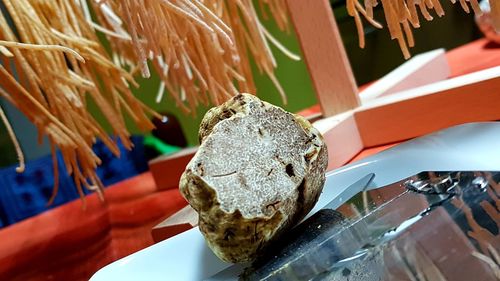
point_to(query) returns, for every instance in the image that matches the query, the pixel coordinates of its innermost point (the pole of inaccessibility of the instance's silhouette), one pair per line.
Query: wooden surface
(185, 219)
(325, 55)
(475, 56)
(341, 134)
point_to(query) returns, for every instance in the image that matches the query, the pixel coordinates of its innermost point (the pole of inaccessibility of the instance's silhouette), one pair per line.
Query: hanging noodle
(400, 14)
(204, 46)
(57, 67)
(54, 64)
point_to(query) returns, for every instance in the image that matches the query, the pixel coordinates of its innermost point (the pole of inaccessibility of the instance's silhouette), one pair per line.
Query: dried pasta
(53, 65)
(401, 15)
(199, 48)
(57, 60)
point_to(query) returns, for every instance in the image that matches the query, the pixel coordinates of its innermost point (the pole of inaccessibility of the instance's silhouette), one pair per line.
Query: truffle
(258, 171)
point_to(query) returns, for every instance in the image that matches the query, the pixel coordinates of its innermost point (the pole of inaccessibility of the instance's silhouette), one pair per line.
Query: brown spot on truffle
(228, 234)
(309, 156)
(289, 170)
(224, 175)
(225, 114)
(242, 181)
(201, 169)
(270, 171)
(301, 198)
(273, 205)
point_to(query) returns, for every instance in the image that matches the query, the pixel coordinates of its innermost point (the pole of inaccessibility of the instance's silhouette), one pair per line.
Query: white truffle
(258, 171)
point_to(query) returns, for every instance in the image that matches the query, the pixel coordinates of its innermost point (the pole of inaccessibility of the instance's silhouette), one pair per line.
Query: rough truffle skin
(258, 171)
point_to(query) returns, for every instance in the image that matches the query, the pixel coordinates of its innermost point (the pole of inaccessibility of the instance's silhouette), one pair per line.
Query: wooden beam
(183, 220)
(342, 138)
(469, 98)
(325, 55)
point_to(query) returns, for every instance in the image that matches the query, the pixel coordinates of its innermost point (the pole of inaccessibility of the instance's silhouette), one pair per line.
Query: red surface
(69, 243)
(475, 56)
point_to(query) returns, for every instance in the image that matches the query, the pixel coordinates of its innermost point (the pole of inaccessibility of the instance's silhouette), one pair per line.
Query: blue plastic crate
(138, 154)
(130, 163)
(26, 194)
(2, 218)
